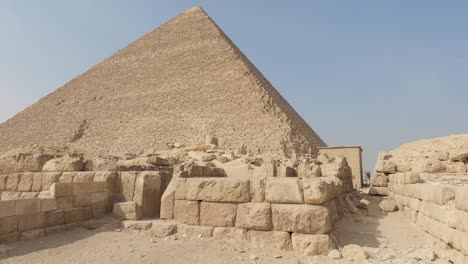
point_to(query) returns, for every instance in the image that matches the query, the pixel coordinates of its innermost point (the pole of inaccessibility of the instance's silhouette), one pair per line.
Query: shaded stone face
(207, 85)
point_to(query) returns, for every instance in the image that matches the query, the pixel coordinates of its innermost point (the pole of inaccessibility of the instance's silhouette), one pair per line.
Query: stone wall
(353, 155)
(437, 203)
(70, 204)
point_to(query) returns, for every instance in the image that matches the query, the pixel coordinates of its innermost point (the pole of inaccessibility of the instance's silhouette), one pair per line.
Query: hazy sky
(370, 73)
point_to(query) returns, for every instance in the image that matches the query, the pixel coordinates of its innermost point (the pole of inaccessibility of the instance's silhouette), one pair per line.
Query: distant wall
(354, 158)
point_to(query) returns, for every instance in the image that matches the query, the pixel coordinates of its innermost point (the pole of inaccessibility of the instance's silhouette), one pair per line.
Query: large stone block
(461, 198)
(64, 202)
(7, 208)
(111, 178)
(25, 182)
(283, 190)
(312, 245)
(126, 211)
(459, 220)
(84, 187)
(82, 199)
(230, 233)
(48, 178)
(28, 206)
(99, 210)
(168, 197)
(257, 190)
(218, 214)
(270, 239)
(127, 185)
(187, 212)
(321, 190)
(67, 176)
(10, 195)
(49, 204)
(59, 189)
(85, 176)
(214, 189)
(54, 218)
(26, 160)
(439, 194)
(163, 229)
(378, 191)
(64, 163)
(148, 193)
(37, 182)
(74, 215)
(385, 166)
(3, 182)
(8, 225)
(380, 181)
(12, 182)
(195, 231)
(31, 222)
(301, 218)
(254, 216)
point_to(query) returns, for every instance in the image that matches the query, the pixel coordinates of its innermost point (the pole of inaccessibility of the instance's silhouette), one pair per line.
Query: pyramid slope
(178, 83)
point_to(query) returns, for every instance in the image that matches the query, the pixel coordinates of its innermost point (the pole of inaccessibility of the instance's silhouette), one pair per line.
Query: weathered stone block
(461, 198)
(218, 214)
(32, 234)
(48, 178)
(28, 206)
(301, 218)
(187, 212)
(127, 184)
(10, 196)
(12, 182)
(48, 205)
(111, 179)
(36, 182)
(31, 222)
(195, 231)
(439, 194)
(163, 229)
(7, 208)
(59, 189)
(254, 216)
(74, 215)
(127, 211)
(321, 190)
(98, 210)
(54, 218)
(148, 193)
(99, 197)
(378, 191)
(312, 245)
(83, 187)
(82, 199)
(64, 202)
(64, 163)
(67, 176)
(380, 181)
(230, 233)
(8, 225)
(3, 182)
(214, 189)
(283, 190)
(270, 239)
(25, 182)
(84, 176)
(257, 190)
(385, 166)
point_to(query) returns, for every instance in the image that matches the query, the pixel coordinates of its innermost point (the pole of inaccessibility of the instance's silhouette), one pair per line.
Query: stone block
(254, 216)
(215, 189)
(333, 210)
(67, 176)
(461, 198)
(83, 187)
(187, 212)
(230, 233)
(28, 206)
(99, 197)
(195, 231)
(378, 191)
(286, 171)
(127, 184)
(31, 222)
(167, 204)
(48, 178)
(3, 182)
(111, 179)
(85, 176)
(64, 163)
(301, 218)
(126, 211)
(82, 199)
(459, 220)
(380, 181)
(385, 166)
(54, 229)
(64, 202)
(137, 224)
(257, 190)
(48, 205)
(12, 182)
(59, 189)
(283, 190)
(99, 210)
(25, 182)
(37, 182)
(270, 239)
(163, 229)
(321, 190)
(32, 234)
(28, 195)
(148, 193)
(439, 194)
(218, 214)
(8, 225)
(459, 240)
(312, 245)
(10, 196)
(9, 238)
(7, 208)
(74, 215)
(54, 218)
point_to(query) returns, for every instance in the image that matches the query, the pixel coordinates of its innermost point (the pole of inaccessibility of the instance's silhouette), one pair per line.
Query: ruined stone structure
(353, 155)
(428, 180)
(179, 83)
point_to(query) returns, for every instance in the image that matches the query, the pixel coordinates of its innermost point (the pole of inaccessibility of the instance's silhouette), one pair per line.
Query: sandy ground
(388, 238)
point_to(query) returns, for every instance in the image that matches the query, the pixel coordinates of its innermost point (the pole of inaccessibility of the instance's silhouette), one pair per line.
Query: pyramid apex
(193, 9)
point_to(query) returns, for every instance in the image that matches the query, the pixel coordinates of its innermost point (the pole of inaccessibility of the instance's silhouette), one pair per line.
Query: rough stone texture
(388, 206)
(148, 191)
(312, 244)
(218, 214)
(321, 190)
(380, 181)
(301, 218)
(31, 222)
(126, 211)
(257, 189)
(461, 198)
(386, 166)
(254, 216)
(213, 189)
(354, 252)
(64, 163)
(8, 225)
(127, 185)
(163, 229)
(230, 233)
(196, 67)
(195, 231)
(270, 239)
(54, 218)
(378, 191)
(187, 212)
(24, 159)
(7, 208)
(283, 190)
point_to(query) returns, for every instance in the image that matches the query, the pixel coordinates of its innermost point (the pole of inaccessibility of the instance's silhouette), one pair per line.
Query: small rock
(278, 256)
(388, 206)
(354, 252)
(253, 257)
(334, 254)
(364, 204)
(208, 157)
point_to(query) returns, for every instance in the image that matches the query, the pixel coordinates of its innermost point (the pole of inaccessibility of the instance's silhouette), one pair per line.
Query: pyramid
(178, 83)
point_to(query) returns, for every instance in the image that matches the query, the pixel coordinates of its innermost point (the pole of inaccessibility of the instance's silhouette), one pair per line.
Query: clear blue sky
(370, 73)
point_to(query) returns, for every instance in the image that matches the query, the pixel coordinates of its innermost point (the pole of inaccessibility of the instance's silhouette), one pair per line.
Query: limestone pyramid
(178, 83)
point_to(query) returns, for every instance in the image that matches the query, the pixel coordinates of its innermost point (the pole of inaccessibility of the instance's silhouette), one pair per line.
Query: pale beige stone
(3, 182)
(64, 163)
(388, 206)
(434, 166)
(385, 166)
(461, 198)
(85, 176)
(148, 193)
(111, 179)
(321, 190)
(7, 208)
(137, 224)
(67, 176)
(54, 218)
(380, 181)
(254, 216)
(312, 245)
(48, 178)
(270, 239)
(214, 189)
(127, 185)
(163, 229)
(59, 189)
(218, 214)
(230, 233)
(354, 252)
(283, 190)
(187, 212)
(301, 218)
(12, 182)
(10, 196)
(257, 189)
(378, 191)
(439, 194)
(28, 206)
(48, 205)
(195, 231)
(126, 211)
(25, 182)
